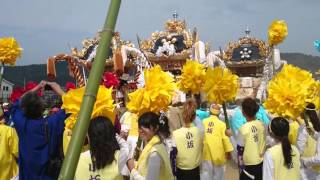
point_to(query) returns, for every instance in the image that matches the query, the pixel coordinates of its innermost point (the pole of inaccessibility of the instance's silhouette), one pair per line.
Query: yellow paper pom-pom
(9, 50)
(289, 91)
(278, 31)
(221, 85)
(314, 94)
(193, 77)
(156, 95)
(103, 106)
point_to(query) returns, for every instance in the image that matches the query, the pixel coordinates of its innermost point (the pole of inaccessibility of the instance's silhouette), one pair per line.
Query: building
(6, 90)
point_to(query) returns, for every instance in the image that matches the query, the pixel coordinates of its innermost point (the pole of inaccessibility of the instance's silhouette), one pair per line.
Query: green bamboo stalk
(80, 130)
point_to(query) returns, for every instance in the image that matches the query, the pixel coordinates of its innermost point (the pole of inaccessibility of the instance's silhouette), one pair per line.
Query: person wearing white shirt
(308, 144)
(281, 161)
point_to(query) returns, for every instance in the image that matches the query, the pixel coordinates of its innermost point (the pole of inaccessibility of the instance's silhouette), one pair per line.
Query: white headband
(310, 109)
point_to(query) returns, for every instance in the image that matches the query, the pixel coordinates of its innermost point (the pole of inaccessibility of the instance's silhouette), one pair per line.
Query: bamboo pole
(79, 132)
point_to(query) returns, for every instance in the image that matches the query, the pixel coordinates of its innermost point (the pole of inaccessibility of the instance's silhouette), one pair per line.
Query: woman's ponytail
(280, 130)
(312, 115)
(286, 151)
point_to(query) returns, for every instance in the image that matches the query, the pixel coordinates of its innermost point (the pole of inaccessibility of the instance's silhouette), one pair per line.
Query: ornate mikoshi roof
(175, 34)
(89, 45)
(122, 56)
(247, 56)
(171, 47)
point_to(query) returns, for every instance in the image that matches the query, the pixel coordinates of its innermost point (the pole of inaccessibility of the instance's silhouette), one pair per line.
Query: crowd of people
(187, 142)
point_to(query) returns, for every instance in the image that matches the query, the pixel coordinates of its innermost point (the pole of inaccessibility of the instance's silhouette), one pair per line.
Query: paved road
(232, 172)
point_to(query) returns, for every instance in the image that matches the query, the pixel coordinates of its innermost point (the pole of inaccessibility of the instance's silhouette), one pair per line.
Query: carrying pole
(81, 127)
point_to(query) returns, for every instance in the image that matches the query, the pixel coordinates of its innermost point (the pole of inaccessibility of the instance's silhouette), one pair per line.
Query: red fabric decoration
(30, 85)
(110, 80)
(16, 94)
(70, 85)
(19, 91)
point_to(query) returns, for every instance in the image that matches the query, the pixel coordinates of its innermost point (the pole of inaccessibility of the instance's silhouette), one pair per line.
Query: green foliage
(19, 75)
(37, 72)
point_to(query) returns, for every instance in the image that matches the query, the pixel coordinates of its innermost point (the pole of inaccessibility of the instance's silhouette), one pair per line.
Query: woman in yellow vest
(8, 151)
(108, 153)
(188, 140)
(308, 144)
(153, 163)
(251, 136)
(281, 161)
(216, 146)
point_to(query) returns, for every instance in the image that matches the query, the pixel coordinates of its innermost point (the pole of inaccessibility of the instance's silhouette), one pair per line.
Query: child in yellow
(216, 146)
(281, 161)
(188, 140)
(8, 152)
(108, 153)
(252, 135)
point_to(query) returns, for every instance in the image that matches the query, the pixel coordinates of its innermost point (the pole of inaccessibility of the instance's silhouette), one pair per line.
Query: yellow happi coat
(253, 134)
(216, 144)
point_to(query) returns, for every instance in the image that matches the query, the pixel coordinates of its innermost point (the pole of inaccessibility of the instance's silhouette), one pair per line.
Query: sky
(45, 28)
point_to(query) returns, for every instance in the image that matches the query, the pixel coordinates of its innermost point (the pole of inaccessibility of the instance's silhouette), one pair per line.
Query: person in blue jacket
(203, 112)
(39, 137)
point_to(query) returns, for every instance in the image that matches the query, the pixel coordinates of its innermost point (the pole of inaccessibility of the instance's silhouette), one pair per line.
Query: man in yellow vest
(251, 137)
(8, 151)
(188, 140)
(216, 146)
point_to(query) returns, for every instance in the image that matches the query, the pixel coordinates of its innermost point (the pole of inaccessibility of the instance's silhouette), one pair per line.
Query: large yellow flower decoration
(314, 94)
(289, 91)
(193, 77)
(277, 32)
(103, 106)
(221, 85)
(9, 50)
(156, 95)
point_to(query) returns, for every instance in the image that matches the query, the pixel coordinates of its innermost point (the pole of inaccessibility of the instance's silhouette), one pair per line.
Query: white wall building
(6, 90)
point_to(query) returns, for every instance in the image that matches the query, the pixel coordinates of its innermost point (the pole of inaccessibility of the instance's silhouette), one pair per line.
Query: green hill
(22, 74)
(19, 75)
(311, 63)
